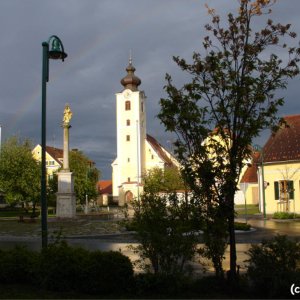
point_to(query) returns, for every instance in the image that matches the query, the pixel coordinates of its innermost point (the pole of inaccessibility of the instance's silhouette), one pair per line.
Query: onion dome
(130, 81)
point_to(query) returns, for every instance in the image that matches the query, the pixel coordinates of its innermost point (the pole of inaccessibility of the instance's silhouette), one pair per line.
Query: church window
(128, 179)
(142, 106)
(128, 159)
(127, 105)
(127, 138)
(128, 122)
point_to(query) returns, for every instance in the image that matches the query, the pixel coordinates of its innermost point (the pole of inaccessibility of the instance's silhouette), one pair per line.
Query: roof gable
(250, 175)
(56, 153)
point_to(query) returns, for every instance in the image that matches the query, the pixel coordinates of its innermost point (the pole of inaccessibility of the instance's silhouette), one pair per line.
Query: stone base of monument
(65, 197)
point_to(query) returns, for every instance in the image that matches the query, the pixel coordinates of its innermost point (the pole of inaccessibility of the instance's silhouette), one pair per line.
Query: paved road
(266, 229)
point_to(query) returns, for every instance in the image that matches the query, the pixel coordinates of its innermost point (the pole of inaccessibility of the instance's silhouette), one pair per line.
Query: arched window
(127, 105)
(128, 122)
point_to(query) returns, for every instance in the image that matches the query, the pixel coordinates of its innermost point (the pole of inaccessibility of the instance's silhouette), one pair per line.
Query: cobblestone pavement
(109, 228)
(82, 226)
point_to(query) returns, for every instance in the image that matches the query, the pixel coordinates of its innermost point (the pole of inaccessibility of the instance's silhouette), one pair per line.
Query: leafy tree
(230, 99)
(167, 180)
(85, 176)
(164, 223)
(165, 233)
(20, 173)
(52, 185)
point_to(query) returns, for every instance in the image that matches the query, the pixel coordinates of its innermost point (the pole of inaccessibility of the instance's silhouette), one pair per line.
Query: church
(137, 151)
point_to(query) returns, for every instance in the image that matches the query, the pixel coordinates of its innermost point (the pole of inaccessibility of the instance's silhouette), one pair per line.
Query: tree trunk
(232, 275)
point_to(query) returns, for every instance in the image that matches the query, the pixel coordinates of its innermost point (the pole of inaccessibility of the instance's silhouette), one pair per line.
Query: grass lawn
(252, 209)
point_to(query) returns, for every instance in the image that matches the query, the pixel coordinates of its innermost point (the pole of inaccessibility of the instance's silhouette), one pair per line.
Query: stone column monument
(66, 200)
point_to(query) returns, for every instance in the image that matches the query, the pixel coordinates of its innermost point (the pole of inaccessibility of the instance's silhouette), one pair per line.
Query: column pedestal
(66, 200)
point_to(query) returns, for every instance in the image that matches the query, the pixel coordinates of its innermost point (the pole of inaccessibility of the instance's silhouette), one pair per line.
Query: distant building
(54, 158)
(104, 191)
(249, 182)
(137, 151)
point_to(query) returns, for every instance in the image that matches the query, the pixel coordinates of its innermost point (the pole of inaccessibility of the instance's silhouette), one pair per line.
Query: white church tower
(137, 151)
(129, 165)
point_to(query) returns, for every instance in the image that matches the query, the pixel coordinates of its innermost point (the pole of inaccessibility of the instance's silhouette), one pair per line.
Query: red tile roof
(56, 153)
(159, 150)
(284, 145)
(250, 175)
(105, 187)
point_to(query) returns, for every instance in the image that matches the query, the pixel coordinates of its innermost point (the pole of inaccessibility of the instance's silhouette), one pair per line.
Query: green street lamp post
(56, 52)
(261, 150)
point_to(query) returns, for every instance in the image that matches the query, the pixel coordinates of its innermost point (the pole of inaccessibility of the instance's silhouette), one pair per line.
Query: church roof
(130, 81)
(284, 145)
(160, 150)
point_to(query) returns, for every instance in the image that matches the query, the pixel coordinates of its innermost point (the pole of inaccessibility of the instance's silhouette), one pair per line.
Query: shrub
(241, 226)
(61, 267)
(285, 215)
(158, 285)
(165, 232)
(273, 266)
(18, 265)
(65, 268)
(107, 272)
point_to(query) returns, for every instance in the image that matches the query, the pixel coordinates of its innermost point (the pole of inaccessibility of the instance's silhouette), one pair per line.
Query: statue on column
(67, 115)
(66, 200)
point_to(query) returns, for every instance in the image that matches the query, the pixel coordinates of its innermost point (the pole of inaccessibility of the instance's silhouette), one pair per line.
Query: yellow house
(249, 182)
(279, 173)
(54, 158)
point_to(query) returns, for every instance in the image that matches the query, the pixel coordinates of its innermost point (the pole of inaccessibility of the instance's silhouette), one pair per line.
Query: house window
(128, 122)
(142, 106)
(127, 105)
(128, 179)
(284, 190)
(127, 138)
(128, 159)
(152, 156)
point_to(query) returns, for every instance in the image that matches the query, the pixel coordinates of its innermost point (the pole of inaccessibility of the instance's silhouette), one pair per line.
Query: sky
(98, 36)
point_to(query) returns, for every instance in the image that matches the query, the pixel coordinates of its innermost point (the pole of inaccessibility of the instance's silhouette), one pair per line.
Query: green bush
(158, 285)
(273, 266)
(106, 272)
(242, 226)
(285, 215)
(18, 265)
(61, 267)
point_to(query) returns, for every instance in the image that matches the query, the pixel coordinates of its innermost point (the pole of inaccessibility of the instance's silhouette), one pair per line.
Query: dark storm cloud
(98, 36)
